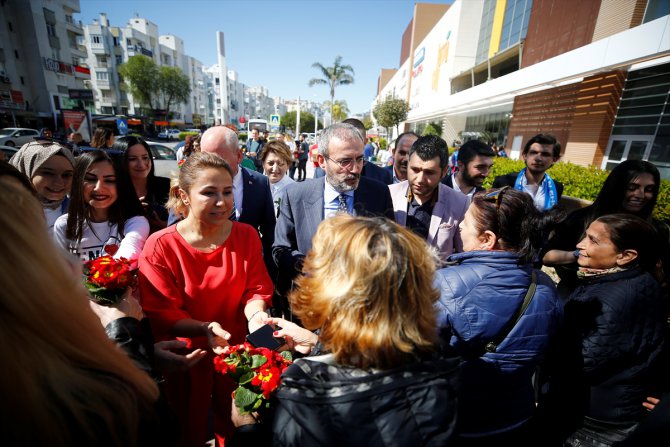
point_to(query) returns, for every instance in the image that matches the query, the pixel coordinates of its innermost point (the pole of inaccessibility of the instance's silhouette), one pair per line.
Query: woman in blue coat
(491, 295)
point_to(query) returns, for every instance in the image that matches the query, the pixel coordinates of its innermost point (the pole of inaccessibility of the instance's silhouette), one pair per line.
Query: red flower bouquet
(107, 279)
(256, 372)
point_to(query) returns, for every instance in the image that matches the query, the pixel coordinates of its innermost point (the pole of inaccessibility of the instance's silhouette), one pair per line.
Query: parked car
(17, 136)
(169, 134)
(165, 160)
(6, 152)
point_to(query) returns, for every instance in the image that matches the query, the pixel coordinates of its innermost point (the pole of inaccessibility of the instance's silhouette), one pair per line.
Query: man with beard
(304, 205)
(540, 153)
(426, 206)
(475, 159)
(369, 170)
(400, 156)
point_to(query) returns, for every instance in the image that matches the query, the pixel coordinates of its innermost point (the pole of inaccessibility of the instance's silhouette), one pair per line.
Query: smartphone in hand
(263, 338)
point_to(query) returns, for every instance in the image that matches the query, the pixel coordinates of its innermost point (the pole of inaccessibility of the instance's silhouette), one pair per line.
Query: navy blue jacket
(620, 319)
(479, 295)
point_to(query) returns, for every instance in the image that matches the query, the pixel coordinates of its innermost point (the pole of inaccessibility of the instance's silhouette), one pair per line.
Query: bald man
(251, 190)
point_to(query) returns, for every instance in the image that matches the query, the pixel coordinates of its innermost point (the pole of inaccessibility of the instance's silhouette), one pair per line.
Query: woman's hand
(128, 306)
(217, 337)
(297, 338)
(241, 419)
(167, 361)
(651, 403)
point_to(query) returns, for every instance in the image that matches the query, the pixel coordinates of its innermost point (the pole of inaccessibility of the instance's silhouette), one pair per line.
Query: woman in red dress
(204, 279)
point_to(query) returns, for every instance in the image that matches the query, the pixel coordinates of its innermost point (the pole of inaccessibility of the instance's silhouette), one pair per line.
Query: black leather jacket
(325, 404)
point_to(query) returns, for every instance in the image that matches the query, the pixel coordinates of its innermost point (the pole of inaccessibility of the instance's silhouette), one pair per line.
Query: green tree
(141, 74)
(391, 112)
(339, 111)
(367, 122)
(289, 120)
(174, 86)
(333, 76)
(430, 130)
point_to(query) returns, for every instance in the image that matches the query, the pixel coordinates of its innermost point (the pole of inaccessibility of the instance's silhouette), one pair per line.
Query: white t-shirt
(51, 216)
(99, 235)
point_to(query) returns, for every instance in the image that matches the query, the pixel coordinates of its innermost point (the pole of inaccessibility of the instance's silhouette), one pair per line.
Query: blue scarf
(548, 186)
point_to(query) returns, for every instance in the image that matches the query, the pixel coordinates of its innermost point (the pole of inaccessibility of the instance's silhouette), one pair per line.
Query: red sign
(242, 120)
(160, 123)
(17, 96)
(76, 121)
(134, 122)
(80, 69)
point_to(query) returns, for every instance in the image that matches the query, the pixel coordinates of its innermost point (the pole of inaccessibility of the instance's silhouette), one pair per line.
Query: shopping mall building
(596, 73)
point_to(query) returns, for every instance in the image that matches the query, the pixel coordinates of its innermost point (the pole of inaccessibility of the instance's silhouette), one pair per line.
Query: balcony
(98, 48)
(74, 25)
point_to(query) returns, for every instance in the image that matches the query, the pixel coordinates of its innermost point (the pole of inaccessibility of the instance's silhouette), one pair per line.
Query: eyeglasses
(496, 197)
(347, 163)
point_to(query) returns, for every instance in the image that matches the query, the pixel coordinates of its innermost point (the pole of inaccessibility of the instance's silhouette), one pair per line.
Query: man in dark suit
(475, 159)
(370, 170)
(252, 198)
(304, 205)
(540, 153)
(400, 154)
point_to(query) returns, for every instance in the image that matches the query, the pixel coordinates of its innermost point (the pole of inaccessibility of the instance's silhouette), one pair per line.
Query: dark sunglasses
(495, 196)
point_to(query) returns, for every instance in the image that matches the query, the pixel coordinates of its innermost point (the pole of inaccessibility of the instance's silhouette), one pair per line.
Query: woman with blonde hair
(64, 382)
(103, 138)
(276, 158)
(367, 286)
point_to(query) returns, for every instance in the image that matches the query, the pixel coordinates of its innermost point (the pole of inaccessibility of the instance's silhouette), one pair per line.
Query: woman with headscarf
(49, 166)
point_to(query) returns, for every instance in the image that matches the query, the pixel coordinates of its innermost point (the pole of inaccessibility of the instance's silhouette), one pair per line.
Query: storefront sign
(58, 66)
(86, 95)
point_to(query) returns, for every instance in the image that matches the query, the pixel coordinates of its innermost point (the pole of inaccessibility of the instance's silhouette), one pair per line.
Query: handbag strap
(492, 346)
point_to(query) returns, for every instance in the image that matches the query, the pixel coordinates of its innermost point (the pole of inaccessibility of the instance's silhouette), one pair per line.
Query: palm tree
(339, 110)
(333, 76)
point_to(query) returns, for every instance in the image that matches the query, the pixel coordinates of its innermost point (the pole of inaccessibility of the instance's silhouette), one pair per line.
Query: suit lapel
(399, 197)
(313, 206)
(438, 210)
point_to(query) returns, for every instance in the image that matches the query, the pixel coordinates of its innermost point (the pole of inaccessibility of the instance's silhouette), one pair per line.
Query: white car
(169, 134)
(17, 136)
(165, 160)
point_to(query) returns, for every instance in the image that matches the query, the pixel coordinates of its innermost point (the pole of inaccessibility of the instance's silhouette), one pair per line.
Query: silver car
(165, 160)
(17, 136)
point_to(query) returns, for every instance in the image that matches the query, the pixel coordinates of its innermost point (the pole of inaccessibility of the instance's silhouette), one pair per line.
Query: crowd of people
(415, 302)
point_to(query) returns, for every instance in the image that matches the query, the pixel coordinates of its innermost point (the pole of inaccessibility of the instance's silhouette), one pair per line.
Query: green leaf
(287, 355)
(245, 399)
(258, 360)
(247, 378)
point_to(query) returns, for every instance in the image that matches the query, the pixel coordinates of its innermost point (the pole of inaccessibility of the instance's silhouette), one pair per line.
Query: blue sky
(275, 43)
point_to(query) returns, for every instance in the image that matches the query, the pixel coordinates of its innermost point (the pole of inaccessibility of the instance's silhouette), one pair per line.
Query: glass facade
(642, 126)
(485, 31)
(514, 27)
(515, 24)
(491, 126)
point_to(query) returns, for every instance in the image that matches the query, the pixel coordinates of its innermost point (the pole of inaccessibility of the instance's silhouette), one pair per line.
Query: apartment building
(596, 74)
(42, 62)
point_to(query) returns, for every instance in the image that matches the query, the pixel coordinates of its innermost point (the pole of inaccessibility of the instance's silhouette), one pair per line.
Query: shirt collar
(330, 194)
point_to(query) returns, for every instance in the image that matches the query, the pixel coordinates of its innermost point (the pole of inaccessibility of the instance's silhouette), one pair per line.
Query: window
(96, 39)
(102, 76)
(116, 41)
(119, 59)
